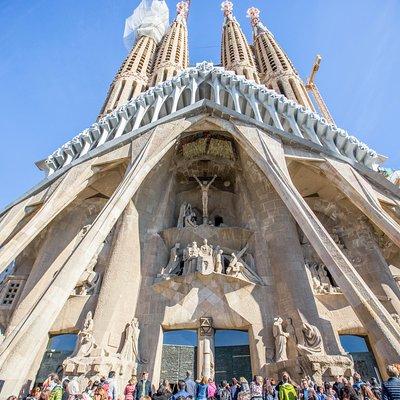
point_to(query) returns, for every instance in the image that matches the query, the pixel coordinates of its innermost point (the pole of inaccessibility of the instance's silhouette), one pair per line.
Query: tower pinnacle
(276, 69)
(236, 52)
(173, 54)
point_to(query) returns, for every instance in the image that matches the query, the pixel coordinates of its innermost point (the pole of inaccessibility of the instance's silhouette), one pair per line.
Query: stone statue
(174, 260)
(187, 217)
(86, 342)
(130, 349)
(205, 187)
(190, 255)
(218, 254)
(281, 338)
(322, 284)
(394, 316)
(235, 267)
(312, 340)
(205, 262)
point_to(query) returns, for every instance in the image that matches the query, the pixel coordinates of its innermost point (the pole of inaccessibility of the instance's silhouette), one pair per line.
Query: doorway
(360, 350)
(179, 355)
(232, 355)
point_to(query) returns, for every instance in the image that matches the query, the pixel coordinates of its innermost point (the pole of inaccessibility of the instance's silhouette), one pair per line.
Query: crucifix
(205, 186)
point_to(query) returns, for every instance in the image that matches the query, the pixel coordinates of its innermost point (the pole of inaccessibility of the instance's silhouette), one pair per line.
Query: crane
(312, 87)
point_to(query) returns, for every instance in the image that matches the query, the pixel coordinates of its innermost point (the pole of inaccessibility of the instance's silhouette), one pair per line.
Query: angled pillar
(18, 351)
(359, 192)
(268, 153)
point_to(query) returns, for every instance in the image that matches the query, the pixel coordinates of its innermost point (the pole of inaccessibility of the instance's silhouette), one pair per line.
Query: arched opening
(232, 355)
(360, 350)
(179, 354)
(218, 220)
(58, 349)
(204, 91)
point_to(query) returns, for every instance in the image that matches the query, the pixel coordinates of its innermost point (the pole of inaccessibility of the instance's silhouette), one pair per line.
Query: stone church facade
(204, 198)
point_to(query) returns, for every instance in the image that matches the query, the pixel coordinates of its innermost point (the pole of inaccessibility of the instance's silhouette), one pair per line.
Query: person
(162, 394)
(244, 393)
(45, 394)
(56, 390)
(212, 389)
(65, 383)
(100, 393)
(224, 392)
(35, 394)
(367, 393)
(357, 383)
(235, 388)
(129, 391)
(112, 386)
(89, 389)
(304, 389)
(269, 389)
(349, 393)
(143, 387)
(338, 386)
(320, 393)
(376, 388)
(312, 394)
(181, 393)
(256, 388)
(202, 389)
(391, 388)
(190, 384)
(73, 388)
(167, 386)
(286, 391)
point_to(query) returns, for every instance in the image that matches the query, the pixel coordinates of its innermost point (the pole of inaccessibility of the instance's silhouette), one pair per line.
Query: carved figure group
(308, 342)
(207, 259)
(322, 284)
(187, 216)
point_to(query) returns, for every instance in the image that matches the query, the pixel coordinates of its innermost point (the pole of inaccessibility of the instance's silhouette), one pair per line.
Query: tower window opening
(296, 92)
(120, 93)
(281, 88)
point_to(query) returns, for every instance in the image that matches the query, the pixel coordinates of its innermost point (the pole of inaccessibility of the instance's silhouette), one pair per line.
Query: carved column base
(321, 368)
(93, 368)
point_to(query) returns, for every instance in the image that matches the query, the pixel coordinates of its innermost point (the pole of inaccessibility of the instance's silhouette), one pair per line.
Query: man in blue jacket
(144, 387)
(391, 388)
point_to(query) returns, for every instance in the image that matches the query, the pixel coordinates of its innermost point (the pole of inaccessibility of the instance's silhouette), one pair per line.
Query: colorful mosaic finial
(254, 14)
(227, 8)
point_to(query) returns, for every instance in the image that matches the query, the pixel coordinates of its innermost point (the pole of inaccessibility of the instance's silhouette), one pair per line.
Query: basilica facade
(208, 201)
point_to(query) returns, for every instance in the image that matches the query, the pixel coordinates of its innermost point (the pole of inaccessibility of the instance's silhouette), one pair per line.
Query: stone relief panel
(207, 259)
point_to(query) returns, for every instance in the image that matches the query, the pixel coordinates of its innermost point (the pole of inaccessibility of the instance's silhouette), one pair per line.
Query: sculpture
(312, 340)
(86, 342)
(130, 349)
(205, 187)
(218, 260)
(281, 338)
(174, 260)
(190, 255)
(322, 284)
(205, 261)
(187, 217)
(396, 318)
(90, 279)
(235, 267)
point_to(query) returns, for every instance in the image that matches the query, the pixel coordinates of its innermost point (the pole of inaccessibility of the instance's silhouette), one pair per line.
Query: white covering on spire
(150, 18)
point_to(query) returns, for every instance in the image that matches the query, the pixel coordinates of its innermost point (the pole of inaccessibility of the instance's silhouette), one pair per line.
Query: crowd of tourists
(343, 388)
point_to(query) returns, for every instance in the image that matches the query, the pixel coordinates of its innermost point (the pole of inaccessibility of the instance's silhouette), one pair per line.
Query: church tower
(236, 52)
(206, 223)
(173, 54)
(276, 69)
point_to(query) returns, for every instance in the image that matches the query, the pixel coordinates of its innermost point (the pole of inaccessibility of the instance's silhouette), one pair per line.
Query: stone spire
(276, 70)
(133, 76)
(236, 52)
(173, 54)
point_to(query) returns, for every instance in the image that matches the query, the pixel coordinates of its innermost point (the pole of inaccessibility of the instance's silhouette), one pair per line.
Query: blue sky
(59, 57)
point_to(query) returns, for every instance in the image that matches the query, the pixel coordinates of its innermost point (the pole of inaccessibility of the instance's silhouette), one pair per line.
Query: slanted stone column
(205, 349)
(120, 288)
(269, 155)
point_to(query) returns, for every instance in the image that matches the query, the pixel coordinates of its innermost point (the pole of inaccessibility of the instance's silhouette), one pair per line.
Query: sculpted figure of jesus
(205, 187)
